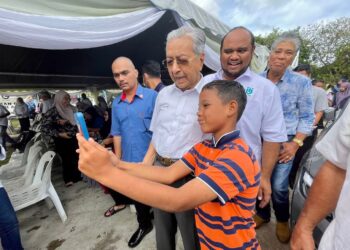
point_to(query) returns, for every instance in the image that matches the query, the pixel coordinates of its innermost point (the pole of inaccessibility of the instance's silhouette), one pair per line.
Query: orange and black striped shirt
(230, 169)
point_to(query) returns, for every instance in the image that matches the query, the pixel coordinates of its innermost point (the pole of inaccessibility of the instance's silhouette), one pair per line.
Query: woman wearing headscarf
(22, 112)
(59, 123)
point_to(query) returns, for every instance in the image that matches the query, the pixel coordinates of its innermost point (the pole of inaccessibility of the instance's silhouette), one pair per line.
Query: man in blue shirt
(131, 118)
(297, 105)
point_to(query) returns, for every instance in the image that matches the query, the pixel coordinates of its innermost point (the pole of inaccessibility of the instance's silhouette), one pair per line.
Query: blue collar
(139, 94)
(159, 87)
(226, 138)
(285, 75)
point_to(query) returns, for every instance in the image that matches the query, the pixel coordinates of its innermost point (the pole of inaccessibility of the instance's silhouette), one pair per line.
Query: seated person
(227, 173)
(107, 139)
(94, 122)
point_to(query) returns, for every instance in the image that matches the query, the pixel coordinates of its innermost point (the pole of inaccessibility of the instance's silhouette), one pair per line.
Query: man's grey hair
(287, 37)
(197, 35)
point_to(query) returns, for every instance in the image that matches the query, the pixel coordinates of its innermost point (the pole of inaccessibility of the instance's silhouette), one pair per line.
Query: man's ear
(202, 58)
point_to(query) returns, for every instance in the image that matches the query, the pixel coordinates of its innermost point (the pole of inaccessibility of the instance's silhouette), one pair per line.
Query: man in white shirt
(175, 127)
(330, 190)
(262, 124)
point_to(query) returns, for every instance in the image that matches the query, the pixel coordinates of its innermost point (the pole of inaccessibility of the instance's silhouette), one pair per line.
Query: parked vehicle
(308, 169)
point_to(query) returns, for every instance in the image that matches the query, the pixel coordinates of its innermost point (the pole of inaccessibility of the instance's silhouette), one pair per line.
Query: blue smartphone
(79, 118)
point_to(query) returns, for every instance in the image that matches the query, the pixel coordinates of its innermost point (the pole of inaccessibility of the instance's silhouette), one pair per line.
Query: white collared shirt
(335, 147)
(174, 122)
(262, 118)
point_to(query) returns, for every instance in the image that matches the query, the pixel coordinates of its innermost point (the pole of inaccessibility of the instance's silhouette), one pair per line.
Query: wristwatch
(298, 141)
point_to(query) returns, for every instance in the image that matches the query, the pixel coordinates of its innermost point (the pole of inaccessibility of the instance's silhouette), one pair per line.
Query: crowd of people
(208, 154)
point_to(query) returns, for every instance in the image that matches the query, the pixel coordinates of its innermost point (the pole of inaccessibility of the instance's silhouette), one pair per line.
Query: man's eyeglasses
(180, 61)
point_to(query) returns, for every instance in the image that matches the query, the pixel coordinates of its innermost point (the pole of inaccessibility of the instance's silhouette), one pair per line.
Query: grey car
(309, 166)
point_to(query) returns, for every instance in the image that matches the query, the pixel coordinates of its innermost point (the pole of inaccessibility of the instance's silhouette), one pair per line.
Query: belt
(165, 161)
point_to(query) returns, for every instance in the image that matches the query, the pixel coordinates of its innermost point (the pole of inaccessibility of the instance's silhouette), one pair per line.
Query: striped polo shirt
(230, 169)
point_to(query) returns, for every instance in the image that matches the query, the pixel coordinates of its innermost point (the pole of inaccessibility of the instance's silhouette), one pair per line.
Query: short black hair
(44, 94)
(252, 38)
(344, 79)
(229, 90)
(314, 81)
(303, 67)
(151, 68)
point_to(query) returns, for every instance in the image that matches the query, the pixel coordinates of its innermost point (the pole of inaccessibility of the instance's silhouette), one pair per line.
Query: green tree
(328, 44)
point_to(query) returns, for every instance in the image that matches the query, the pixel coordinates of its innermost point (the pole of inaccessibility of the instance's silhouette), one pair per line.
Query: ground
(87, 228)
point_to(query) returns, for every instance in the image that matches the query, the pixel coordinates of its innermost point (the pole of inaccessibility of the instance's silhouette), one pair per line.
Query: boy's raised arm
(95, 162)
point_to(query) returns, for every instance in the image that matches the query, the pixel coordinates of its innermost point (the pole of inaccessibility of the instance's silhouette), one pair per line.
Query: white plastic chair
(17, 177)
(19, 160)
(23, 156)
(40, 188)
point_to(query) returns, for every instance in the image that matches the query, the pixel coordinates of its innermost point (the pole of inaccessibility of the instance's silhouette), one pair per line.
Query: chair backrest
(43, 171)
(35, 152)
(37, 137)
(26, 151)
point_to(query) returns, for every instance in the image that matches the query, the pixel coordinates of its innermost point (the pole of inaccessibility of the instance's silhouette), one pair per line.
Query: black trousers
(308, 142)
(25, 124)
(142, 211)
(66, 148)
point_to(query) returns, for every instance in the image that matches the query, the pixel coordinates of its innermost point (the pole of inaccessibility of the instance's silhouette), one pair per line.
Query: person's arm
(150, 155)
(107, 141)
(318, 116)
(322, 200)
(159, 174)
(94, 161)
(117, 141)
(270, 152)
(4, 111)
(273, 132)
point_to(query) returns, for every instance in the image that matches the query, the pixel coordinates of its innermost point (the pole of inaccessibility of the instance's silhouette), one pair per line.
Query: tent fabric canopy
(86, 26)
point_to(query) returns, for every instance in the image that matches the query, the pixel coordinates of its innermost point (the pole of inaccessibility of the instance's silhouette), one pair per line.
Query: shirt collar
(139, 94)
(247, 74)
(285, 75)
(159, 87)
(226, 138)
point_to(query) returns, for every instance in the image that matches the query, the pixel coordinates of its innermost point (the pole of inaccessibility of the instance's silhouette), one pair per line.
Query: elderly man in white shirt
(175, 127)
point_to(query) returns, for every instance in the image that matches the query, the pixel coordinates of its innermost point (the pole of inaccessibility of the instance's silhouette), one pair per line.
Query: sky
(261, 16)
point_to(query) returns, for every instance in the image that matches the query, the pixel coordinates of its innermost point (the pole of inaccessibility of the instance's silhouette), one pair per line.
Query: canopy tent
(71, 43)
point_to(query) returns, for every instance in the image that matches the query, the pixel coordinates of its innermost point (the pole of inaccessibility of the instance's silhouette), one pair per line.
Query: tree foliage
(324, 45)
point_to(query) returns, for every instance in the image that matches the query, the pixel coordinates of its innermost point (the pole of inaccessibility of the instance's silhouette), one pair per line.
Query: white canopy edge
(60, 32)
(62, 24)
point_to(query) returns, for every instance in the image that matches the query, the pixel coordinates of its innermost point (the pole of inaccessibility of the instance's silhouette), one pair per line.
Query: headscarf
(341, 95)
(65, 112)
